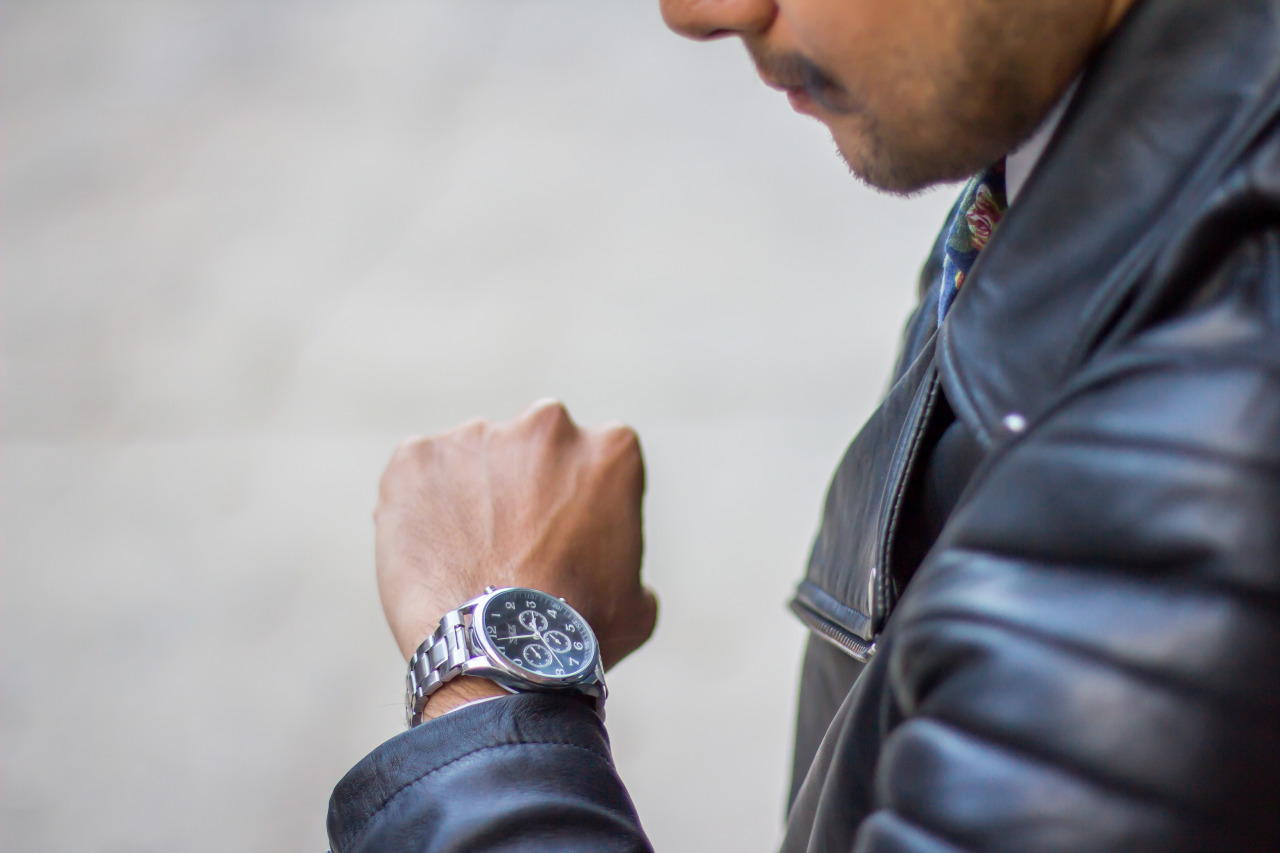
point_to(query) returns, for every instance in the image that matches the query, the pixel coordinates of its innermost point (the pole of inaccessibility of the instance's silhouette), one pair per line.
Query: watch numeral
(532, 605)
(570, 628)
(573, 662)
(559, 671)
(578, 646)
(492, 630)
(511, 605)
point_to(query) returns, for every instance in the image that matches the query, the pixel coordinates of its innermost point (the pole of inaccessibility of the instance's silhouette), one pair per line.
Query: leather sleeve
(1090, 657)
(522, 773)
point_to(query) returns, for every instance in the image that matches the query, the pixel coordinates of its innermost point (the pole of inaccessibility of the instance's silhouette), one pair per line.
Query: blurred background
(246, 247)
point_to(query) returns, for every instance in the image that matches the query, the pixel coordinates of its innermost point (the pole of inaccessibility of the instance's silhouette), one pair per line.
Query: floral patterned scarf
(978, 212)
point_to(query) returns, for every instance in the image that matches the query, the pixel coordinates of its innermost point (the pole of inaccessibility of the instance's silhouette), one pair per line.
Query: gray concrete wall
(248, 246)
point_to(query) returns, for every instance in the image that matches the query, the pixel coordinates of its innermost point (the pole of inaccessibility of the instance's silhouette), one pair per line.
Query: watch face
(539, 634)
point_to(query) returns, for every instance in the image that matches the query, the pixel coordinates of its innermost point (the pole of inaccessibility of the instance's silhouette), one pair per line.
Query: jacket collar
(1163, 109)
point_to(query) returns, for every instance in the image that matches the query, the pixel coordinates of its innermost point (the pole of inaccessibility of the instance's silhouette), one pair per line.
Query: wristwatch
(524, 639)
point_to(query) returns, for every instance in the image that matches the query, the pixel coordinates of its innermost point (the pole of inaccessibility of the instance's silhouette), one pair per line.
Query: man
(1045, 595)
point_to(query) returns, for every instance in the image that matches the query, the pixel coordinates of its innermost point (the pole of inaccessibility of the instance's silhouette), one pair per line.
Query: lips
(798, 95)
(809, 88)
(788, 85)
(802, 102)
(797, 92)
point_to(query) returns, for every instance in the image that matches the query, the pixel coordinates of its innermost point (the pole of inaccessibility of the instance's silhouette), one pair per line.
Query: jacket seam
(1091, 654)
(368, 821)
(1080, 437)
(1109, 787)
(1142, 361)
(936, 838)
(1252, 596)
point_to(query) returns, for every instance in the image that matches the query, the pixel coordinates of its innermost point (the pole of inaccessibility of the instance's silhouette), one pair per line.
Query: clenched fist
(537, 502)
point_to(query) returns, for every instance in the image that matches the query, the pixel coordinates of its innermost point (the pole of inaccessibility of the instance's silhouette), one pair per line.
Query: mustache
(794, 71)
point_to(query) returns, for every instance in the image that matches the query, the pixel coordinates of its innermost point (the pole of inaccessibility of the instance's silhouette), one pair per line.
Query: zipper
(856, 647)
(836, 620)
(904, 456)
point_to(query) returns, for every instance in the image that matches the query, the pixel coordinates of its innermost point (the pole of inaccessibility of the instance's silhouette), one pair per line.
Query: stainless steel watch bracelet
(440, 658)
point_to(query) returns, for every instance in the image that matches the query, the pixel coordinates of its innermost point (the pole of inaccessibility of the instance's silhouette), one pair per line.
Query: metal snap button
(1014, 422)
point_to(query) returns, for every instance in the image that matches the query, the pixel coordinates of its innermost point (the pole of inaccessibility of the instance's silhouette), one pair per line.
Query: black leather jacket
(1057, 542)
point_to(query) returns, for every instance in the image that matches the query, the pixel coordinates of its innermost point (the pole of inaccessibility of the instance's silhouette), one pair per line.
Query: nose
(708, 19)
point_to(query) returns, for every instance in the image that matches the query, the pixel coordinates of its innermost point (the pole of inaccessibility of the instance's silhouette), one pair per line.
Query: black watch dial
(539, 634)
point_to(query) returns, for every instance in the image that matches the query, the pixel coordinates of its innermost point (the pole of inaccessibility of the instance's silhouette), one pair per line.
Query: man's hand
(537, 502)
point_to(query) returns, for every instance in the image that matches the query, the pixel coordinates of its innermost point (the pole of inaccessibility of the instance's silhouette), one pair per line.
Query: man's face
(913, 91)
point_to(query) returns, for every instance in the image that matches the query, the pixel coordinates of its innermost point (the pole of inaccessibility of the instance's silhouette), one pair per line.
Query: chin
(894, 177)
(878, 175)
(899, 169)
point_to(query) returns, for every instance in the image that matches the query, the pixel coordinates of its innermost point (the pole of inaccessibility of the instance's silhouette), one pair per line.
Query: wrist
(508, 640)
(459, 692)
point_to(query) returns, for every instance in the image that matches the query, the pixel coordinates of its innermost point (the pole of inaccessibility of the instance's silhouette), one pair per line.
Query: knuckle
(550, 409)
(549, 414)
(465, 435)
(409, 448)
(409, 458)
(622, 443)
(470, 429)
(405, 456)
(648, 611)
(621, 435)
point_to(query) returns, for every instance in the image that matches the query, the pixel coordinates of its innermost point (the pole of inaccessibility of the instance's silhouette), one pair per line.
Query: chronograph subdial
(557, 642)
(537, 655)
(533, 621)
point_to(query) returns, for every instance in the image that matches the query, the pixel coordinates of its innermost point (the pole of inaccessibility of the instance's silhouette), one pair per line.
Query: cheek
(884, 52)
(845, 37)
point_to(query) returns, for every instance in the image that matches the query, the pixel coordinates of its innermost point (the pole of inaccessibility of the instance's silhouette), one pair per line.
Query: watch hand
(547, 646)
(519, 637)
